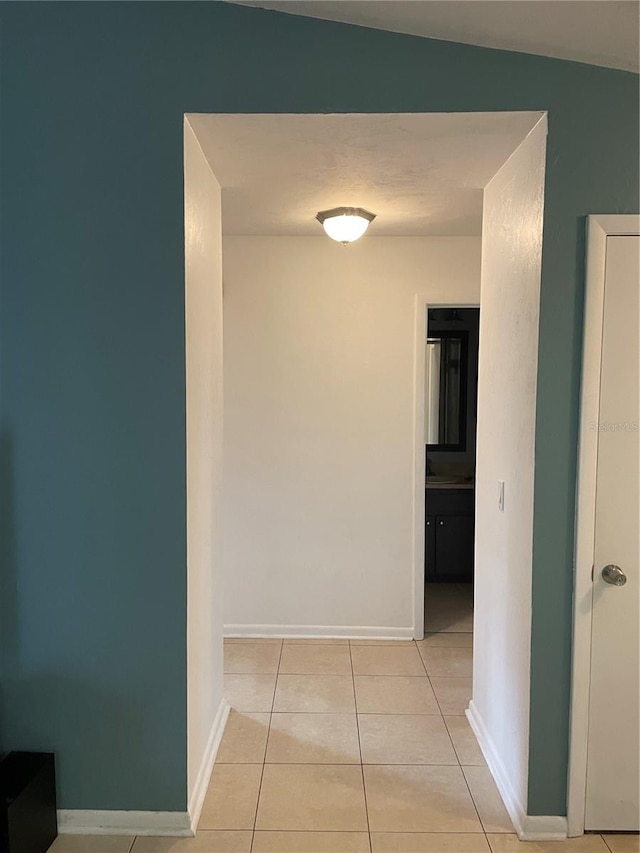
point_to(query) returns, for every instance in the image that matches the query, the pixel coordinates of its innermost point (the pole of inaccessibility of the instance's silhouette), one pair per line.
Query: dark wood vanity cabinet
(449, 534)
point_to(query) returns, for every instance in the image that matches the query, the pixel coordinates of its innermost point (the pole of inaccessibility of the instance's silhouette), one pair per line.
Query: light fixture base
(345, 211)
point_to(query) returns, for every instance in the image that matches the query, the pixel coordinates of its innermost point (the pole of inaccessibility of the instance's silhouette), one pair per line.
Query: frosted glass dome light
(345, 224)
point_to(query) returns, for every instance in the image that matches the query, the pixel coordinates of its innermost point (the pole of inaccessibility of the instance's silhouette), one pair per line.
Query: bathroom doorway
(450, 419)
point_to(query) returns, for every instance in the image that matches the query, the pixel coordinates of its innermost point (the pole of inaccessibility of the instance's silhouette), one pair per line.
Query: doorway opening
(323, 506)
(451, 395)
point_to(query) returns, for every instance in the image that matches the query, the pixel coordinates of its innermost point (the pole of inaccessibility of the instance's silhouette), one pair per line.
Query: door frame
(422, 306)
(599, 227)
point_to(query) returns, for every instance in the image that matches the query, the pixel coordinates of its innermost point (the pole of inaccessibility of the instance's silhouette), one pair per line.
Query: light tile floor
(337, 746)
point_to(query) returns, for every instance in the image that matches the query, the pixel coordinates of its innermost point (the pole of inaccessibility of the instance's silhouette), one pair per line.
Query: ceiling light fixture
(345, 224)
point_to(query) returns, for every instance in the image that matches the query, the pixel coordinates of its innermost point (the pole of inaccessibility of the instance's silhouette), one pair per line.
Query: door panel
(430, 546)
(613, 769)
(454, 547)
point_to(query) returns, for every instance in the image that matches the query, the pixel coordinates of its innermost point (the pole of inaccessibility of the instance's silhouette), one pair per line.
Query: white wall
(510, 295)
(319, 420)
(203, 258)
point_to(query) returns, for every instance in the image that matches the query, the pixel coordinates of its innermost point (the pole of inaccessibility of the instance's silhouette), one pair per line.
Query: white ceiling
(422, 174)
(599, 32)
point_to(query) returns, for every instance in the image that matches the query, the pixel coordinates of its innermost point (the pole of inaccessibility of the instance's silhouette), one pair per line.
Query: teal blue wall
(92, 611)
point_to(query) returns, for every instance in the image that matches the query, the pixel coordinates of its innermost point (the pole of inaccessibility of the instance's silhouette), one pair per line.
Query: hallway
(361, 746)
(338, 746)
(347, 738)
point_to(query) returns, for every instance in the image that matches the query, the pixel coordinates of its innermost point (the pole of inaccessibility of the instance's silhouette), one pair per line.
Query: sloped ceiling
(598, 32)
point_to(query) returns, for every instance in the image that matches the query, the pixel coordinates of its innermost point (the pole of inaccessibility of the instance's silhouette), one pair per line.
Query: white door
(613, 752)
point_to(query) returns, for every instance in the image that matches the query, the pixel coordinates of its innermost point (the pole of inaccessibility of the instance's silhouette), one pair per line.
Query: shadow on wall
(9, 665)
(94, 712)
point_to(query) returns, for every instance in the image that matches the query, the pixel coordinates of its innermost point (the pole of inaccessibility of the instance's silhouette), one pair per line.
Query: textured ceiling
(599, 32)
(422, 174)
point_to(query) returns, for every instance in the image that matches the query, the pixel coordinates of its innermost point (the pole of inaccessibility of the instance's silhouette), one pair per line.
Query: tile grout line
(266, 747)
(444, 720)
(364, 789)
(453, 746)
(435, 695)
(466, 782)
(352, 673)
(455, 752)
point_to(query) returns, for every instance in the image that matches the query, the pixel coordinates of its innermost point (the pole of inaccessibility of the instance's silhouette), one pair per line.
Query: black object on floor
(28, 818)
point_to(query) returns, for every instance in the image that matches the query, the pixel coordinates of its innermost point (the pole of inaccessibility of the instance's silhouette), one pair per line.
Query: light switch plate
(501, 495)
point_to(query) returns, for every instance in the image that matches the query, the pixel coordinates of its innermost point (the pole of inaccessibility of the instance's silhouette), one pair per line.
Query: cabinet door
(454, 547)
(430, 547)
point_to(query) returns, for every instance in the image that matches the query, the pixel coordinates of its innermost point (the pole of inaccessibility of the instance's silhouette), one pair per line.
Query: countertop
(449, 485)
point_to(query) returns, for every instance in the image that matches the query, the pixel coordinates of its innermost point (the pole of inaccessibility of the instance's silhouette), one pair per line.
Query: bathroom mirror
(446, 390)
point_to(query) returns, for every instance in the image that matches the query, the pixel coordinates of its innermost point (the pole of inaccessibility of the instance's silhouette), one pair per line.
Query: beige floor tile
(453, 694)
(405, 739)
(488, 801)
(395, 694)
(315, 660)
(442, 590)
(274, 641)
(316, 641)
(230, 802)
(312, 797)
(419, 799)
(622, 843)
(464, 741)
(455, 616)
(384, 660)
(454, 624)
(253, 658)
(250, 693)
(511, 844)
(245, 739)
(383, 642)
(313, 739)
(328, 694)
(428, 842)
(446, 639)
(448, 663)
(91, 844)
(311, 842)
(206, 841)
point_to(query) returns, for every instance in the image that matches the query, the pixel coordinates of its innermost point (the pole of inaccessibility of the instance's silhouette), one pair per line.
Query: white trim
(94, 822)
(543, 828)
(419, 463)
(598, 229)
(179, 824)
(318, 632)
(528, 827)
(509, 797)
(206, 766)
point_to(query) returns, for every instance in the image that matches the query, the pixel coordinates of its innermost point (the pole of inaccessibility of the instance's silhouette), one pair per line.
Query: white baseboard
(318, 632)
(183, 824)
(206, 766)
(94, 822)
(544, 828)
(528, 827)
